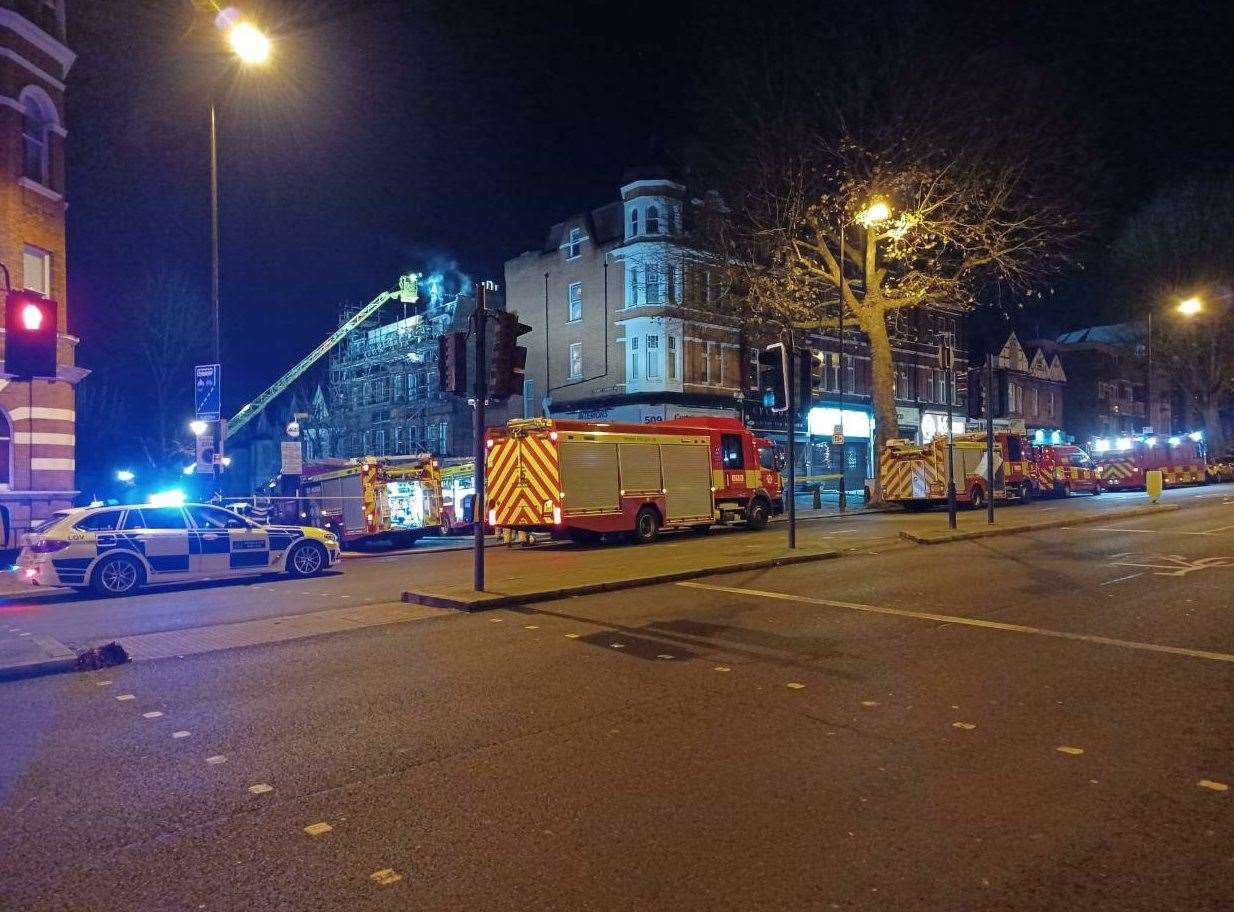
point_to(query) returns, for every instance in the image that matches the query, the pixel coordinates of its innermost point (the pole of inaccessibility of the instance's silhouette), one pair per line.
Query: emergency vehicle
(1064, 469)
(117, 550)
(393, 499)
(915, 474)
(583, 479)
(458, 490)
(1124, 460)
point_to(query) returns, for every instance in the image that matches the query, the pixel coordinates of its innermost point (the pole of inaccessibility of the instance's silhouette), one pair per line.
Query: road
(1038, 721)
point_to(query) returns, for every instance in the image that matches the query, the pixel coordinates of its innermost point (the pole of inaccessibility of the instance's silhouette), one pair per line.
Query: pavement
(25, 653)
(1030, 722)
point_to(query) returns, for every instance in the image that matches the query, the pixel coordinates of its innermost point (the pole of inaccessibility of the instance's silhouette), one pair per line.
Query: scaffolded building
(382, 396)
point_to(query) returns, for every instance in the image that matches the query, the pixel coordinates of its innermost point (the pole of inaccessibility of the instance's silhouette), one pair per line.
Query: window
(1033, 400)
(715, 363)
(413, 385)
(574, 300)
(381, 442)
(107, 521)
(215, 518)
(633, 222)
(731, 456)
(574, 246)
(653, 220)
(398, 440)
(576, 360)
(653, 357)
(634, 357)
(6, 444)
(652, 292)
(670, 275)
(36, 270)
(366, 442)
(36, 150)
(134, 520)
(1050, 404)
(672, 357)
(164, 518)
(632, 297)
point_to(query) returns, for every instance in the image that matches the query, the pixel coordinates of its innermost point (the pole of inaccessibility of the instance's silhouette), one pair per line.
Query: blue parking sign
(207, 391)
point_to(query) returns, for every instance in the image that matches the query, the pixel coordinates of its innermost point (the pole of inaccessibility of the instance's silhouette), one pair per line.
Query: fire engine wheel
(1097, 489)
(1066, 492)
(977, 498)
(646, 526)
(1026, 492)
(756, 515)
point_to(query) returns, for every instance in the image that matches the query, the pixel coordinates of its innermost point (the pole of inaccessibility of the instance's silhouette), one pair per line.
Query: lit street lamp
(1188, 307)
(198, 427)
(125, 475)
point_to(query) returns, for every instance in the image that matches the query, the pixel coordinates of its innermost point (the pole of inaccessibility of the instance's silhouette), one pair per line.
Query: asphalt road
(1039, 721)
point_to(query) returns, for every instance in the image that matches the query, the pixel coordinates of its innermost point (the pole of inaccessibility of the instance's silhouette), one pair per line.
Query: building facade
(629, 324)
(38, 418)
(1029, 393)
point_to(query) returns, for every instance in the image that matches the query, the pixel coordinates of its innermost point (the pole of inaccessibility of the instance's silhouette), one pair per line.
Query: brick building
(1028, 392)
(37, 419)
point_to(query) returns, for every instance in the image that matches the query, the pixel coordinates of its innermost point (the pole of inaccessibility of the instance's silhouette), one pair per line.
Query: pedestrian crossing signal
(30, 333)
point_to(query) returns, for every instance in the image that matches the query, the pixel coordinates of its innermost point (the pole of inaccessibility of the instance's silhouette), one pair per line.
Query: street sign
(292, 457)
(207, 391)
(206, 453)
(293, 429)
(837, 435)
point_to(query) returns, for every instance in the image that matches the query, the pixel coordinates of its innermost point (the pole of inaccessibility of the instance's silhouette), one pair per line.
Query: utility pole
(989, 439)
(479, 511)
(840, 374)
(790, 400)
(949, 364)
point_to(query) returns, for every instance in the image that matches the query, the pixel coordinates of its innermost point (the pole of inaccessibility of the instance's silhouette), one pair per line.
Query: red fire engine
(582, 479)
(1063, 469)
(915, 475)
(1124, 460)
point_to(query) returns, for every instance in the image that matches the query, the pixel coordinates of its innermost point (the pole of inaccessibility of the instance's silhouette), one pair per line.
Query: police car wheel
(117, 575)
(307, 559)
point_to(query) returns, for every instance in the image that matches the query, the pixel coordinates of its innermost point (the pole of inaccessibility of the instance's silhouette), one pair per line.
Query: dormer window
(653, 220)
(633, 223)
(574, 245)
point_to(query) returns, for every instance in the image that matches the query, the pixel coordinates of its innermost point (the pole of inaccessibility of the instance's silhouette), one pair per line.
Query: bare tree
(1178, 246)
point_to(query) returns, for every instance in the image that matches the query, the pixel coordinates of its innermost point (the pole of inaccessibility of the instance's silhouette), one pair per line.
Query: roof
(1116, 334)
(603, 225)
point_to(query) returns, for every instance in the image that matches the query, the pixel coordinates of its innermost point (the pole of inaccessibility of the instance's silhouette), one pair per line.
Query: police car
(116, 550)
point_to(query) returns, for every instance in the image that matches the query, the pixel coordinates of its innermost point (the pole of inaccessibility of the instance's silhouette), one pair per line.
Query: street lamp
(198, 427)
(1188, 307)
(125, 475)
(878, 211)
(249, 43)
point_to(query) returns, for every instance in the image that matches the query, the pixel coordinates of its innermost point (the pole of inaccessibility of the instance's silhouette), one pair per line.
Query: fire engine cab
(583, 479)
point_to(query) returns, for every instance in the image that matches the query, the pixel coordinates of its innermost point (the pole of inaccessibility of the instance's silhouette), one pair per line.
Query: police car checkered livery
(115, 550)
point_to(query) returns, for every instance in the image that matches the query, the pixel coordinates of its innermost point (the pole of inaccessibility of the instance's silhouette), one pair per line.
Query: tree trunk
(882, 392)
(1213, 431)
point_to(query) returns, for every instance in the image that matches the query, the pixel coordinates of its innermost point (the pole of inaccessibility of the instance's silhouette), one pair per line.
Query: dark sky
(384, 134)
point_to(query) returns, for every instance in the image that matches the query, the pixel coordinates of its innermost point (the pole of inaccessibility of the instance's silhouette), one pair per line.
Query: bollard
(1152, 484)
(818, 497)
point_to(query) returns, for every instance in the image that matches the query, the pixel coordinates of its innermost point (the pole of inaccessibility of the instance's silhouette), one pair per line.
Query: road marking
(1218, 529)
(1120, 579)
(153, 714)
(1214, 786)
(531, 627)
(1177, 565)
(1073, 751)
(24, 634)
(316, 829)
(971, 622)
(260, 788)
(216, 759)
(721, 668)
(572, 636)
(869, 703)
(386, 876)
(664, 655)
(617, 645)
(496, 620)
(101, 683)
(967, 726)
(124, 697)
(1147, 531)
(795, 686)
(180, 734)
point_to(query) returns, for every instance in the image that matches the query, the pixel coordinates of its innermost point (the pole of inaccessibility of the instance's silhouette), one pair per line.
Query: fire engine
(583, 479)
(1063, 469)
(458, 490)
(1124, 460)
(915, 475)
(371, 500)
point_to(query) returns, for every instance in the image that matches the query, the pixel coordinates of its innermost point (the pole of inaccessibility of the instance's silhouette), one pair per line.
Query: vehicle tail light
(556, 516)
(49, 546)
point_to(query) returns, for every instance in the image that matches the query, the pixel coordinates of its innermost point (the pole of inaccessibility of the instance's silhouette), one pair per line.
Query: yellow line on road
(969, 622)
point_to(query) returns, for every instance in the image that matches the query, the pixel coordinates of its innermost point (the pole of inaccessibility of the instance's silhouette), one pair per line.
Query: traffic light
(452, 363)
(771, 377)
(30, 332)
(508, 362)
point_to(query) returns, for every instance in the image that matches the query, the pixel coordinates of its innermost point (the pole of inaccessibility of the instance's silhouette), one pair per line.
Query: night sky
(385, 136)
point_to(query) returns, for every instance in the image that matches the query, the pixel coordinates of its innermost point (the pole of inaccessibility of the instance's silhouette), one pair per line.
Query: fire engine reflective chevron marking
(522, 478)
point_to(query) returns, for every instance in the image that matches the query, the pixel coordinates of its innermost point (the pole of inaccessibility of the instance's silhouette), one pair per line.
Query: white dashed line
(153, 714)
(260, 788)
(180, 734)
(124, 697)
(1073, 751)
(386, 876)
(1213, 786)
(317, 829)
(216, 759)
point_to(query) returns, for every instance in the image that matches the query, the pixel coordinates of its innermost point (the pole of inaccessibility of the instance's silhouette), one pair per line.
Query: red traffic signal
(30, 331)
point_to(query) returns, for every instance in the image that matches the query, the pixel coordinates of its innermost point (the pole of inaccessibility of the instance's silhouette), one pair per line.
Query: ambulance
(584, 479)
(377, 500)
(1124, 460)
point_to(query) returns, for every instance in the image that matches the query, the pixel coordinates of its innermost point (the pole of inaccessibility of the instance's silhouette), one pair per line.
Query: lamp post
(1188, 307)
(250, 47)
